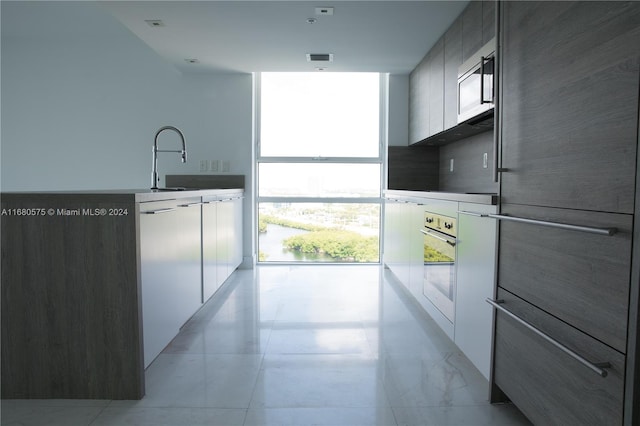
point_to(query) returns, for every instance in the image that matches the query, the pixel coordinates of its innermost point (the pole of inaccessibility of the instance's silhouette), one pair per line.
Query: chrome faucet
(154, 168)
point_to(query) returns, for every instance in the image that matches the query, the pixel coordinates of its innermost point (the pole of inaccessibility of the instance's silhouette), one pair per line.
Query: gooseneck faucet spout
(154, 167)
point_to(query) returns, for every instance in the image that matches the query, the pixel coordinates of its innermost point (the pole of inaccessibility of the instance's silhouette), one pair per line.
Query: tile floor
(297, 345)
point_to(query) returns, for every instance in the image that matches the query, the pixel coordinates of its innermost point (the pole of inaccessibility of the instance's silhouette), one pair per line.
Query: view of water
(270, 243)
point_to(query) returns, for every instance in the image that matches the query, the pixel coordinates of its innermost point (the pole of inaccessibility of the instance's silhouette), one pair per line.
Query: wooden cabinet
(549, 386)
(70, 300)
(419, 102)
(488, 20)
(570, 104)
(95, 285)
(472, 19)
(170, 267)
(433, 88)
(570, 82)
(580, 278)
(452, 61)
(435, 71)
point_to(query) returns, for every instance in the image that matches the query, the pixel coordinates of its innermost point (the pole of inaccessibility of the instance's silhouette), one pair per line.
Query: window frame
(381, 159)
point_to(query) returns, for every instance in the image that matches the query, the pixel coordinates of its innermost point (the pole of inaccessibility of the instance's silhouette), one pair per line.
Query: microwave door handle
(482, 59)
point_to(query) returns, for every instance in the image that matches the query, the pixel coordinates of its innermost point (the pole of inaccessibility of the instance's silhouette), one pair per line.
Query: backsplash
(425, 168)
(468, 174)
(205, 181)
(413, 168)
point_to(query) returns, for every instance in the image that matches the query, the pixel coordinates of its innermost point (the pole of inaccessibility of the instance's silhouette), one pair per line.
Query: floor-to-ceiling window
(319, 166)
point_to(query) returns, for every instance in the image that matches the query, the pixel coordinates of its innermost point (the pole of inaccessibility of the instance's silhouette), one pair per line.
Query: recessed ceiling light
(311, 20)
(155, 23)
(192, 60)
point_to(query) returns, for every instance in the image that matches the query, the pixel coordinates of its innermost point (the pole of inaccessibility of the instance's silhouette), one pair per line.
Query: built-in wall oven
(439, 235)
(475, 83)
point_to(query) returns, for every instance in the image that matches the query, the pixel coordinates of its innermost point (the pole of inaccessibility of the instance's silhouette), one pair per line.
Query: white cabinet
(221, 241)
(236, 250)
(476, 266)
(399, 252)
(170, 268)
(209, 247)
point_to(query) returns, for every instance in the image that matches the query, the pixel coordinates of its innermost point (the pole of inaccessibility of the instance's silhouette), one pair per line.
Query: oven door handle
(439, 236)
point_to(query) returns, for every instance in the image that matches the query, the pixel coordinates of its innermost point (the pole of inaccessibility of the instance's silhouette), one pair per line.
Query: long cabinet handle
(438, 237)
(473, 213)
(598, 368)
(199, 203)
(167, 210)
(589, 229)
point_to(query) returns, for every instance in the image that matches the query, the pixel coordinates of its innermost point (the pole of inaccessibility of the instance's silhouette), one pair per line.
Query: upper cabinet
(433, 93)
(472, 21)
(452, 61)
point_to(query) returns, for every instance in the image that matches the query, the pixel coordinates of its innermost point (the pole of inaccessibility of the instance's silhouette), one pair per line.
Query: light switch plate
(214, 165)
(204, 165)
(485, 160)
(451, 165)
(226, 166)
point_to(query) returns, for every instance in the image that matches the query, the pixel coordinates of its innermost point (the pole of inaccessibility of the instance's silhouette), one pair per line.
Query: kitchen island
(88, 299)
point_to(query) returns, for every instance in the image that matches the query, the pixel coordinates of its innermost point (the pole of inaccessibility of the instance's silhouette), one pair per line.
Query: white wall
(82, 98)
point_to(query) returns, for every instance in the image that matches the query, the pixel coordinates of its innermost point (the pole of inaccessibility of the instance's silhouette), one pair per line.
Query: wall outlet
(226, 166)
(204, 165)
(451, 165)
(485, 160)
(214, 165)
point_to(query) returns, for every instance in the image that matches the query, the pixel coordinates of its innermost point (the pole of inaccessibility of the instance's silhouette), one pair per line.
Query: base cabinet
(475, 268)
(221, 241)
(96, 284)
(549, 386)
(170, 270)
(475, 282)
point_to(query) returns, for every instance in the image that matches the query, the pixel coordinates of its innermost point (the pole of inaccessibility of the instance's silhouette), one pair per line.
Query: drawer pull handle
(599, 368)
(589, 229)
(476, 214)
(199, 203)
(167, 210)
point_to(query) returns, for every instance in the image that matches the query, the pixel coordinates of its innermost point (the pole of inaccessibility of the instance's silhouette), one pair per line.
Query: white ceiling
(248, 36)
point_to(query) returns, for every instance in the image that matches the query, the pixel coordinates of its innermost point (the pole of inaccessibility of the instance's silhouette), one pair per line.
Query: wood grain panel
(70, 305)
(583, 279)
(488, 20)
(471, 29)
(468, 174)
(570, 108)
(546, 384)
(436, 87)
(419, 102)
(452, 61)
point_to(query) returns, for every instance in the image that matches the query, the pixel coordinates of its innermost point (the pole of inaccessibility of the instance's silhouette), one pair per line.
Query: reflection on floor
(298, 345)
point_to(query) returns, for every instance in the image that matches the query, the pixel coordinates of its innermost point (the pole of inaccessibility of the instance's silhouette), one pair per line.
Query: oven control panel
(445, 224)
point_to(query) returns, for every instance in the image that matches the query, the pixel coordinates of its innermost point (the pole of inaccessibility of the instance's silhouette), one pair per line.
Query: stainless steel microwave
(476, 83)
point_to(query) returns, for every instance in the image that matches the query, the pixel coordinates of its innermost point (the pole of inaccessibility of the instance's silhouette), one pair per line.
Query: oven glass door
(439, 270)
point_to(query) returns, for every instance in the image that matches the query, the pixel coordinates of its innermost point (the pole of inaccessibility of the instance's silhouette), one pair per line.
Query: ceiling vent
(324, 11)
(319, 57)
